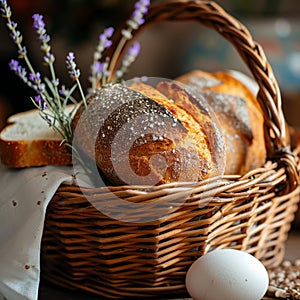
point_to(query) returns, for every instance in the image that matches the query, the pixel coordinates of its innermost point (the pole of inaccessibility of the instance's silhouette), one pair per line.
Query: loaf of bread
(239, 114)
(189, 147)
(137, 135)
(28, 141)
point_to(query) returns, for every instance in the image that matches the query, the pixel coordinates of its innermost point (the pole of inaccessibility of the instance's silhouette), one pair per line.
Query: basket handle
(213, 16)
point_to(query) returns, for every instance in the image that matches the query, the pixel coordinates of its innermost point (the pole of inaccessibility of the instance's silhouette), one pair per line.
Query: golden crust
(20, 154)
(194, 118)
(174, 156)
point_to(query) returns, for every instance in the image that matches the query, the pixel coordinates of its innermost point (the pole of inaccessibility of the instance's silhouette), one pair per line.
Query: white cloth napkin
(24, 196)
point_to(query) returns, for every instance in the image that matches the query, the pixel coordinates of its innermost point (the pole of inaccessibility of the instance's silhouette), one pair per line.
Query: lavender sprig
(71, 66)
(137, 18)
(98, 69)
(75, 73)
(38, 85)
(34, 78)
(128, 59)
(134, 22)
(20, 71)
(102, 72)
(34, 82)
(14, 33)
(40, 28)
(40, 102)
(48, 100)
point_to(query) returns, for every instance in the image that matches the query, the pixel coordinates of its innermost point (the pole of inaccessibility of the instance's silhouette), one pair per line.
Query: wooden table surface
(50, 292)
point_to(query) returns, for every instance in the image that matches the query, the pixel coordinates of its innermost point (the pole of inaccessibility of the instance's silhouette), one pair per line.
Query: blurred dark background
(74, 25)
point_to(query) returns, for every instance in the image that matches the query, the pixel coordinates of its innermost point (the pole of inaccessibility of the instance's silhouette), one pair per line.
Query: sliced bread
(28, 141)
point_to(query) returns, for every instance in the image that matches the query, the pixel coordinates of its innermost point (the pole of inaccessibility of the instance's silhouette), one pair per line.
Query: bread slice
(28, 141)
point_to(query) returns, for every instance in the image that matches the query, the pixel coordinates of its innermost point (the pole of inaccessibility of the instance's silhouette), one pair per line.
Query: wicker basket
(87, 250)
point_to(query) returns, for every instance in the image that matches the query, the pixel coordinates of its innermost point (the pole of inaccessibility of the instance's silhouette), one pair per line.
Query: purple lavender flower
(11, 25)
(128, 59)
(137, 18)
(37, 82)
(3, 2)
(49, 58)
(63, 91)
(16, 36)
(103, 72)
(33, 80)
(38, 99)
(142, 5)
(104, 42)
(36, 78)
(134, 50)
(31, 77)
(71, 65)
(40, 102)
(109, 32)
(38, 22)
(40, 28)
(15, 66)
(98, 69)
(5, 9)
(104, 39)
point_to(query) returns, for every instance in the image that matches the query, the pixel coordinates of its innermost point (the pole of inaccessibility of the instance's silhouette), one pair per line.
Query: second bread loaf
(239, 114)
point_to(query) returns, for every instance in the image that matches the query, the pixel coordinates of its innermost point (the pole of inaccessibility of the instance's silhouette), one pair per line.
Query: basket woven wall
(87, 250)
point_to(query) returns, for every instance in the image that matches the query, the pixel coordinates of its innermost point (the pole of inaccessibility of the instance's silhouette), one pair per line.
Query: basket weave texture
(85, 249)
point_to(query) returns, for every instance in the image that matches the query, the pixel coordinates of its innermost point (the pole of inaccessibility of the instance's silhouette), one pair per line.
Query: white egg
(227, 274)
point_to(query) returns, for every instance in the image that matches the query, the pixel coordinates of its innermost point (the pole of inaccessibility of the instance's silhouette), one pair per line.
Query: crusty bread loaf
(28, 141)
(239, 114)
(164, 142)
(235, 107)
